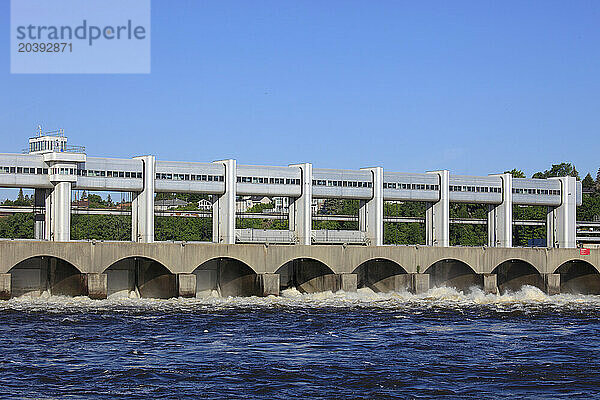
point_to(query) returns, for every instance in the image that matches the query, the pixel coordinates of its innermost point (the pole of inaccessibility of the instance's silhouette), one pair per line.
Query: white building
(171, 204)
(205, 205)
(244, 203)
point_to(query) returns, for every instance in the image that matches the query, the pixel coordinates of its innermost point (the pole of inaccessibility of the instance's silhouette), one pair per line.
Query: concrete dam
(247, 262)
(179, 269)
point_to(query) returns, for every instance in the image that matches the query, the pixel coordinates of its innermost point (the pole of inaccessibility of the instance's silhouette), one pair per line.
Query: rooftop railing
(66, 149)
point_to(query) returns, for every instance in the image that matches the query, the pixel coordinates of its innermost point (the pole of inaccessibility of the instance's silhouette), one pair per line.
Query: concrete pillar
(224, 206)
(186, 285)
(58, 202)
(437, 216)
(39, 214)
(490, 284)
(268, 285)
(300, 210)
(500, 216)
(561, 223)
(419, 283)
(552, 283)
(370, 217)
(551, 239)
(48, 230)
(142, 205)
(61, 168)
(348, 282)
(97, 286)
(5, 289)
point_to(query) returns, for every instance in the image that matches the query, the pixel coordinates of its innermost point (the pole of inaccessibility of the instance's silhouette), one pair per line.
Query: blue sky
(474, 87)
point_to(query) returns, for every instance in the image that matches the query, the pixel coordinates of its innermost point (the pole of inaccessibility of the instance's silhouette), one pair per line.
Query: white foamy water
(527, 297)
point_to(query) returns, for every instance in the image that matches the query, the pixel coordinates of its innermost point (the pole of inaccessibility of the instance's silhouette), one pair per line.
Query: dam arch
(140, 276)
(578, 277)
(451, 272)
(45, 273)
(515, 273)
(307, 275)
(380, 275)
(225, 276)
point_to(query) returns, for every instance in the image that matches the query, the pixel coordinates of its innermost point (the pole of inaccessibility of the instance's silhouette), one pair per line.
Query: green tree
(180, 228)
(590, 207)
(17, 226)
(189, 197)
(340, 207)
(588, 182)
(258, 208)
(404, 233)
(522, 233)
(95, 201)
(21, 201)
(562, 169)
(516, 173)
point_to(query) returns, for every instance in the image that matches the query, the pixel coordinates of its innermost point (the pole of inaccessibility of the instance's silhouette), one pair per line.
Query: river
(365, 345)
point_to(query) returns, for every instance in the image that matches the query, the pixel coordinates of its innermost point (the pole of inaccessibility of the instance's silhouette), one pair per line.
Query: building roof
(170, 203)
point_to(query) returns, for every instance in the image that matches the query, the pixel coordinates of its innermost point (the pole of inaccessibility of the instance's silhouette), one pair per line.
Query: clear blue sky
(474, 87)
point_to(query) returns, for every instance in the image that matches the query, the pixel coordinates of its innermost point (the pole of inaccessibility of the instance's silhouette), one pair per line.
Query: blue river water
(443, 344)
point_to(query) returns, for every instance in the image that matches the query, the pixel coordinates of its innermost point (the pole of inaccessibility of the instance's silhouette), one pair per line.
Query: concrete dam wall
(167, 269)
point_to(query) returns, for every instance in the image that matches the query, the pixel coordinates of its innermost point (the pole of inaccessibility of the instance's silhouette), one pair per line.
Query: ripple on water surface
(443, 343)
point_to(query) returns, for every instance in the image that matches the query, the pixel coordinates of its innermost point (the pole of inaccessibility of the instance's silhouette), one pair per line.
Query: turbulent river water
(443, 344)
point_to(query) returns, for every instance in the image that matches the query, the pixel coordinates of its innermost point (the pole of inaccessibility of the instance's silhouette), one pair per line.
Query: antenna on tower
(39, 130)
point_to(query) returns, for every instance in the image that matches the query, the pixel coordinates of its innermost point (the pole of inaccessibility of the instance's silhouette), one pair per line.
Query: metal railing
(67, 149)
(70, 148)
(273, 236)
(331, 236)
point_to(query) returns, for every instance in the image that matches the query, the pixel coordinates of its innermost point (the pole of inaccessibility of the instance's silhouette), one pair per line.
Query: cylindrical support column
(551, 228)
(552, 283)
(224, 206)
(348, 282)
(300, 210)
(61, 212)
(561, 221)
(142, 205)
(97, 286)
(500, 216)
(268, 285)
(490, 283)
(370, 217)
(186, 285)
(5, 286)
(437, 215)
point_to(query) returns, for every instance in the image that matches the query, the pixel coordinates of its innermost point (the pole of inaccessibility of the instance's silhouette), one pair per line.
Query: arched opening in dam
(140, 277)
(512, 275)
(381, 275)
(580, 277)
(46, 274)
(226, 277)
(453, 273)
(308, 275)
